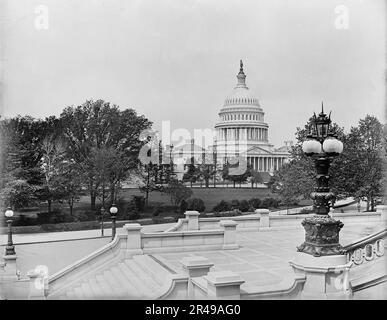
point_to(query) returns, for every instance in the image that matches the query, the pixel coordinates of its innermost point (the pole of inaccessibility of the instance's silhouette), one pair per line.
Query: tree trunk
(368, 204)
(92, 200)
(49, 205)
(234, 183)
(112, 193)
(71, 208)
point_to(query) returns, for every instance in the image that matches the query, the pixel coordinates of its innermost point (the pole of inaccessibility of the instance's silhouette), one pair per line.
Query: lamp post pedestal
(326, 277)
(321, 236)
(10, 268)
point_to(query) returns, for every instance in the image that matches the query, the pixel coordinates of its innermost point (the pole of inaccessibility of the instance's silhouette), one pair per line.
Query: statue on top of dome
(241, 64)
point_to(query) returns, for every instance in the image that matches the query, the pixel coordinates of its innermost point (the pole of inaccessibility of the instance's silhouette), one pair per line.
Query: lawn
(210, 196)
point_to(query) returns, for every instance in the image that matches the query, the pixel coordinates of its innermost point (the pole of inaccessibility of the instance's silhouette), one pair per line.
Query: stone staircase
(140, 277)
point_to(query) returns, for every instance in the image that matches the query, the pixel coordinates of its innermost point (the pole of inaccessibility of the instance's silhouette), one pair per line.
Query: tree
(148, 175)
(20, 155)
(191, 174)
(255, 176)
(177, 192)
(71, 183)
(17, 194)
(292, 181)
(96, 125)
(54, 152)
(205, 172)
(369, 173)
(357, 172)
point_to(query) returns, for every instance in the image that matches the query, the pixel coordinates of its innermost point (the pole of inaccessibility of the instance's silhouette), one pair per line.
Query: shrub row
(246, 205)
(195, 204)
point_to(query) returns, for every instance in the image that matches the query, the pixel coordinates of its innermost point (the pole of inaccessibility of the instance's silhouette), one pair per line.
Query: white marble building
(241, 122)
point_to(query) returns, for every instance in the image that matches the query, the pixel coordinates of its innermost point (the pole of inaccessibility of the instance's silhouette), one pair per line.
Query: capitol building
(242, 123)
(241, 133)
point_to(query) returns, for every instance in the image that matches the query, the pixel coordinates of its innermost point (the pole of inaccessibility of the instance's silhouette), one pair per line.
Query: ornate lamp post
(113, 215)
(321, 230)
(102, 217)
(10, 248)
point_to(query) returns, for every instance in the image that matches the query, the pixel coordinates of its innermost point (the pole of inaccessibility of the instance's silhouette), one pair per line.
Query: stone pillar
(133, 241)
(224, 285)
(382, 209)
(265, 218)
(327, 277)
(195, 267)
(37, 285)
(193, 219)
(229, 240)
(10, 268)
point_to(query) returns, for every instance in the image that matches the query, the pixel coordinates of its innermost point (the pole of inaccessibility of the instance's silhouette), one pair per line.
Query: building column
(256, 163)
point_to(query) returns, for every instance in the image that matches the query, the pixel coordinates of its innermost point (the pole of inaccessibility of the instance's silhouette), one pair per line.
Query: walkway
(263, 258)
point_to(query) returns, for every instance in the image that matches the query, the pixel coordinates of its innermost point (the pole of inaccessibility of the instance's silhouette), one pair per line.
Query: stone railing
(264, 220)
(206, 284)
(368, 248)
(133, 242)
(190, 240)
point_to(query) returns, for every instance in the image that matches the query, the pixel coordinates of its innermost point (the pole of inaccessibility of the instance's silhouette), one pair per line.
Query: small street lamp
(102, 216)
(113, 215)
(321, 230)
(10, 248)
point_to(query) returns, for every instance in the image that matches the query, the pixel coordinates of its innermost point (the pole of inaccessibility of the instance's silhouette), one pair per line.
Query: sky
(177, 60)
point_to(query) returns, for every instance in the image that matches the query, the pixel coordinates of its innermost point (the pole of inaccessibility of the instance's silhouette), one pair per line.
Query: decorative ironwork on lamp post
(10, 248)
(321, 230)
(113, 215)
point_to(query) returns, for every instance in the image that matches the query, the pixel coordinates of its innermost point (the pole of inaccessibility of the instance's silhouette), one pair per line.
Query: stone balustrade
(204, 284)
(368, 248)
(263, 220)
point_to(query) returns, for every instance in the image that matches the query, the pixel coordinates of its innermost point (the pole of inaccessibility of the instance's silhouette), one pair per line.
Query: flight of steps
(140, 277)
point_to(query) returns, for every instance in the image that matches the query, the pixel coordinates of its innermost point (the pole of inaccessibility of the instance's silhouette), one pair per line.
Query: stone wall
(264, 220)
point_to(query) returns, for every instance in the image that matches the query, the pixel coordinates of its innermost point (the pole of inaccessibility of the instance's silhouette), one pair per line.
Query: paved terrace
(263, 258)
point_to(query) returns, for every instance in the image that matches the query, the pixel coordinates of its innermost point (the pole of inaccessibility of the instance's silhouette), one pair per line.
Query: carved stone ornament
(321, 236)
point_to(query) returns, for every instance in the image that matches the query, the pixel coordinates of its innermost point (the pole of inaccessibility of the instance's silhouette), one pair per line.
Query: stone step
(78, 293)
(106, 289)
(97, 290)
(132, 277)
(158, 273)
(115, 283)
(70, 295)
(86, 290)
(145, 278)
(131, 290)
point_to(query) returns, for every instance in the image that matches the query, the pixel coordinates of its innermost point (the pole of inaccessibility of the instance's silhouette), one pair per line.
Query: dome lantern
(241, 77)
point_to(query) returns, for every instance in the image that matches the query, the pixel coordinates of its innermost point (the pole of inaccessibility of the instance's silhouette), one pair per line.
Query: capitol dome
(241, 123)
(241, 117)
(241, 95)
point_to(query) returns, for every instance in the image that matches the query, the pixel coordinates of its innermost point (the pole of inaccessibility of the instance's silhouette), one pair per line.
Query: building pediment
(259, 150)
